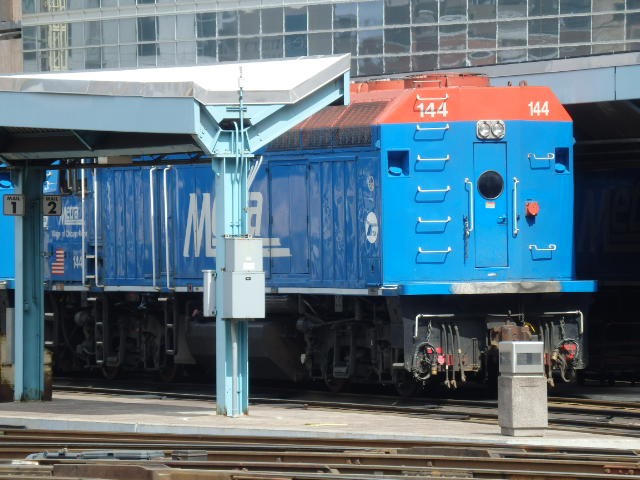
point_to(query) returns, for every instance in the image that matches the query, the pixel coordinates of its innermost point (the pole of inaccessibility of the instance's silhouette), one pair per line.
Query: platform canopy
(161, 110)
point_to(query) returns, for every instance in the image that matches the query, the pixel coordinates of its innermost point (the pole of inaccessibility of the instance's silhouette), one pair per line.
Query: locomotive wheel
(169, 372)
(405, 384)
(110, 373)
(334, 385)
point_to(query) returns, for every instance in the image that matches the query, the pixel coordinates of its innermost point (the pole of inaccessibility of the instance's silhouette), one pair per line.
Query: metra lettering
(201, 220)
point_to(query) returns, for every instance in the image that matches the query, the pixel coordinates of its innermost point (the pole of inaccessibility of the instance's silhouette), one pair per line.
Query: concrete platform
(95, 412)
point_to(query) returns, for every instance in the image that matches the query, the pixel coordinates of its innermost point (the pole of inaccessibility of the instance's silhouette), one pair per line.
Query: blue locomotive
(404, 236)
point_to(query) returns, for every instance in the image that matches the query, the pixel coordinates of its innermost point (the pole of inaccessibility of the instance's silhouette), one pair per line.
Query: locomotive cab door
(490, 205)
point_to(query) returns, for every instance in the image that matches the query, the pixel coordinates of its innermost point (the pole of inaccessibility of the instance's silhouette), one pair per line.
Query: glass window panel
(608, 28)
(228, 50)
(397, 64)
(74, 58)
(370, 66)
(43, 36)
(162, 1)
(29, 6)
(92, 33)
(397, 40)
(633, 26)
(575, 29)
(186, 53)
(128, 56)
(543, 31)
(512, 56)
(320, 17)
(110, 57)
(167, 27)
(272, 20)
(320, 44)
(272, 47)
(72, 5)
(344, 15)
(146, 29)
(142, 2)
(29, 62)
(396, 12)
(76, 34)
(453, 11)
(453, 37)
(93, 58)
(186, 27)
(424, 39)
(424, 62)
(295, 19)
(124, 3)
(206, 25)
(345, 42)
(127, 31)
(548, 53)
(370, 42)
(250, 48)
(147, 53)
(29, 36)
(425, 11)
(110, 32)
(206, 51)
(452, 60)
(575, 51)
(482, 35)
(575, 6)
(631, 4)
(295, 45)
(370, 14)
(249, 22)
(228, 25)
(482, 9)
(92, 4)
(632, 47)
(484, 57)
(512, 34)
(607, 5)
(543, 7)
(512, 9)
(108, 4)
(607, 48)
(166, 54)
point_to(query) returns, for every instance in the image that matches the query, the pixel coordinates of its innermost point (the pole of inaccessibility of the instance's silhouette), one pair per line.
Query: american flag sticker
(57, 267)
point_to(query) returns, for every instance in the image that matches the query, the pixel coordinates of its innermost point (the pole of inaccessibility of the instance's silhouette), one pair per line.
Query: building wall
(10, 36)
(384, 36)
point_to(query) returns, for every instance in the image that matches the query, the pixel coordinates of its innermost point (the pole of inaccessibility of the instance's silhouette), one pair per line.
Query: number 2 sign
(52, 205)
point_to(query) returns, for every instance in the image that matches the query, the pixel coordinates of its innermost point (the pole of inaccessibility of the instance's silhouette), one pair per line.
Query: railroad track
(92, 456)
(565, 413)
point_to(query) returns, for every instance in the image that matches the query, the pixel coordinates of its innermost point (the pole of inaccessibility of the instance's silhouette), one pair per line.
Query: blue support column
(28, 341)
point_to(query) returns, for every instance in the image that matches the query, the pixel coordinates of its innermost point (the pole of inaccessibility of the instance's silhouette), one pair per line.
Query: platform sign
(52, 205)
(13, 204)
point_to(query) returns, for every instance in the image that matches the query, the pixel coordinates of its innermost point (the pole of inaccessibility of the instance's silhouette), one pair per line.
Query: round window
(490, 184)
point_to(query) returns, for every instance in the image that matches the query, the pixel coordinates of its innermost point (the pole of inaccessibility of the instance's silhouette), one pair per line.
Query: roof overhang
(162, 110)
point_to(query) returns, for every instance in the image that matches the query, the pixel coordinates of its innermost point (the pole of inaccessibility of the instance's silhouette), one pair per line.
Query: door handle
(502, 219)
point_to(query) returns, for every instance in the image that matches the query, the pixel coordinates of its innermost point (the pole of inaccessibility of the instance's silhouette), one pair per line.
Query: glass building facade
(383, 36)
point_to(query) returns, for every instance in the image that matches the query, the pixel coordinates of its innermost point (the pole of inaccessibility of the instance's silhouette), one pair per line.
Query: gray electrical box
(521, 358)
(244, 283)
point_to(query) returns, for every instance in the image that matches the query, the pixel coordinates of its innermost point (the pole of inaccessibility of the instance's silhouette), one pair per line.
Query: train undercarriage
(409, 343)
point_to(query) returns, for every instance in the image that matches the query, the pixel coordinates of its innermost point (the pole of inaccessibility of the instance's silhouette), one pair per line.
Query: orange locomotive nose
(532, 208)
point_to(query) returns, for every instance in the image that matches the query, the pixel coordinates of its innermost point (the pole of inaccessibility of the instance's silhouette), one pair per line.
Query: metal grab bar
(152, 207)
(83, 231)
(420, 250)
(166, 224)
(471, 206)
(422, 99)
(441, 190)
(551, 248)
(446, 220)
(425, 129)
(441, 159)
(428, 315)
(95, 227)
(571, 312)
(516, 229)
(550, 156)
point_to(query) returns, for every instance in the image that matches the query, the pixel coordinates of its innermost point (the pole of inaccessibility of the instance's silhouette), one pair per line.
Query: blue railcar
(404, 236)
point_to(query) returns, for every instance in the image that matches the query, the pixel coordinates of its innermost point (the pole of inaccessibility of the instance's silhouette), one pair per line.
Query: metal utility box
(209, 293)
(244, 282)
(521, 358)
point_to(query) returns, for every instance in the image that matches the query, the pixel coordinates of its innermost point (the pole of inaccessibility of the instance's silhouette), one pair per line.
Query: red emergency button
(532, 208)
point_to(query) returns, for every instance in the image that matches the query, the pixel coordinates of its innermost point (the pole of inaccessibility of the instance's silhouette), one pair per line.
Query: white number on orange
(537, 109)
(431, 110)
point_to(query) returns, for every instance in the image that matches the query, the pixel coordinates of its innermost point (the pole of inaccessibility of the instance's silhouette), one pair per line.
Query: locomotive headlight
(498, 129)
(483, 129)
